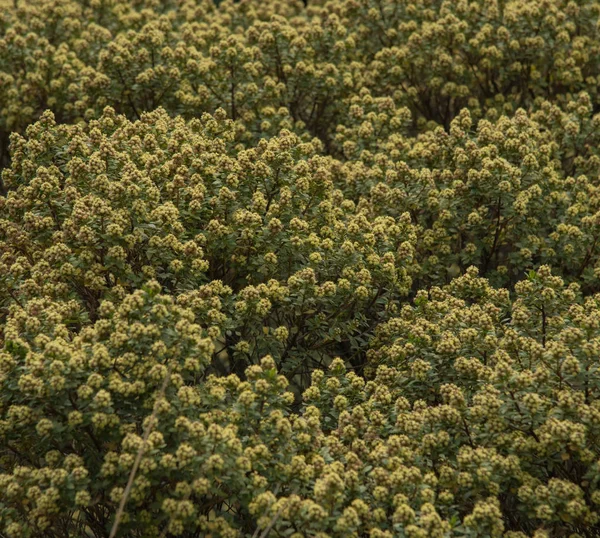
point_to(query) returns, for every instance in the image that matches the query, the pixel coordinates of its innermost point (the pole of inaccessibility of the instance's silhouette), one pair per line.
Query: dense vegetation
(322, 271)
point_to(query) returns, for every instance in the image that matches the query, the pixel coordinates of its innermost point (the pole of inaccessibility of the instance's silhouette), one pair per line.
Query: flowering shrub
(495, 194)
(275, 269)
(253, 57)
(470, 425)
(257, 242)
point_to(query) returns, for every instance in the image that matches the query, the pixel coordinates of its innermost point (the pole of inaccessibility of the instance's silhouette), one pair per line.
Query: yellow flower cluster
(311, 271)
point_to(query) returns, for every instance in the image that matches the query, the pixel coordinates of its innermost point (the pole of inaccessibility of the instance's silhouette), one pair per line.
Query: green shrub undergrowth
(307, 271)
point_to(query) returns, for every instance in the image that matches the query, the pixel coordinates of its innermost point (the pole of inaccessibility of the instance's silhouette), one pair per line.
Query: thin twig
(139, 456)
(15, 298)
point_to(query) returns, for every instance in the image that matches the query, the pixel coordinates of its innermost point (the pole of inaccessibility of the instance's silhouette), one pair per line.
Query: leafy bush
(258, 242)
(494, 194)
(253, 57)
(269, 269)
(470, 425)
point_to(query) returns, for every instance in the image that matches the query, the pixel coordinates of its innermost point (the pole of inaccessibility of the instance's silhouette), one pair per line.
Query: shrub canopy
(323, 271)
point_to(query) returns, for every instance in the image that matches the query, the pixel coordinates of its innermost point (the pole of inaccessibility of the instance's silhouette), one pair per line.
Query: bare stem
(138, 458)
